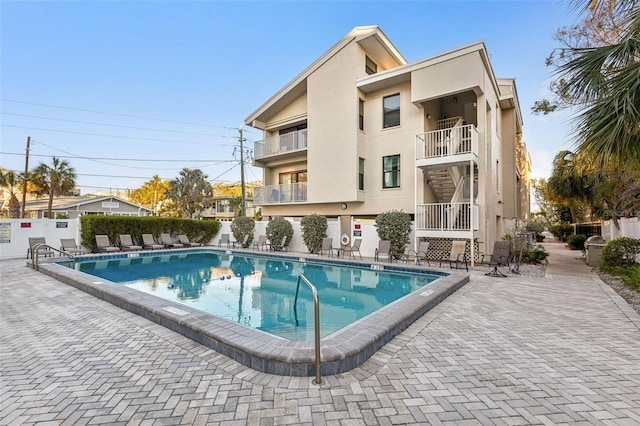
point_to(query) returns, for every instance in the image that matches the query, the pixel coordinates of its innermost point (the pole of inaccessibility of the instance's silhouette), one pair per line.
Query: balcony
(280, 194)
(280, 145)
(450, 145)
(447, 217)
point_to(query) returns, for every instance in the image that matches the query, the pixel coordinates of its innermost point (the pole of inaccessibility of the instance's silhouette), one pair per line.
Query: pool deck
(563, 348)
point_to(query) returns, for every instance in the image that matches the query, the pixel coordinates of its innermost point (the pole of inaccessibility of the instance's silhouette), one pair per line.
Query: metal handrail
(316, 308)
(38, 246)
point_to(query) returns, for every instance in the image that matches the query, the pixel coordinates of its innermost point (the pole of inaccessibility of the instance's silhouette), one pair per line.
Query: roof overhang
(372, 40)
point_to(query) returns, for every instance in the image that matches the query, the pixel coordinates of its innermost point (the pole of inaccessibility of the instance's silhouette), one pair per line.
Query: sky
(125, 90)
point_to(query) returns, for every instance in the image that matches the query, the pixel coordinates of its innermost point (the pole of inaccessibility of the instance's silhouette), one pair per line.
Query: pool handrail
(38, 246)
(316, 310)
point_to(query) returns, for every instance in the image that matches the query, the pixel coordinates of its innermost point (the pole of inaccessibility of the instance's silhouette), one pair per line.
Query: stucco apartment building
(361, 131)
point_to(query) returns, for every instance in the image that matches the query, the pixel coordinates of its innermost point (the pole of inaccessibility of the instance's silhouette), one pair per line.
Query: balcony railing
(447, 217)
(280, 194)
(277, 145)
(447, 142)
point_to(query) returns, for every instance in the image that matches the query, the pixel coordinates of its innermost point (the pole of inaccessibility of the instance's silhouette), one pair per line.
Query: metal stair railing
(35, 256)
(316, 309)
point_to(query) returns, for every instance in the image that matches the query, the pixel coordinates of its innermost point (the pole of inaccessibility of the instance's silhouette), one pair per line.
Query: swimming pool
(341, 350)
(259, 292)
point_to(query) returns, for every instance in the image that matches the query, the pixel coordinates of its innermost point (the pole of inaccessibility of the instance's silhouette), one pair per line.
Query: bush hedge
(576, 242)
(276, 230)
(394, 226)
(537, 254)
(620, 253)
(201, 231)
(314, 229)
(242, 227)
(561, 231)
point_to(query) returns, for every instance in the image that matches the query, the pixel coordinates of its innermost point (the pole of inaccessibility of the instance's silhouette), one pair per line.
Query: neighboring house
(361, 131)
(223, 208)
(71, 207)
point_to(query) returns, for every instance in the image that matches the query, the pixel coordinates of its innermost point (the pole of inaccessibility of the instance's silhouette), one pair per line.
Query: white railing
(446, 217)
(293, 141)
(447, 142)
(278, 194)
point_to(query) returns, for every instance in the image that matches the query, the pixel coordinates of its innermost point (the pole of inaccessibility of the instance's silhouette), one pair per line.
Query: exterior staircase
(442, 183)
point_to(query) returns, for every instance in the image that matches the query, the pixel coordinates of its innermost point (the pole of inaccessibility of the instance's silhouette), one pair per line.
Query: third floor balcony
(450, 145)
(280, 146)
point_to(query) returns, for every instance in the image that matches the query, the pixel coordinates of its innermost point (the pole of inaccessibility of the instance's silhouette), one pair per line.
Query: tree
(597, 71)
(599, 26)
(11, 183)
(190, 192)
(314, 230)
(570, 183)
(56, 179)
(548, 212)
(394, 226)
(152, 193)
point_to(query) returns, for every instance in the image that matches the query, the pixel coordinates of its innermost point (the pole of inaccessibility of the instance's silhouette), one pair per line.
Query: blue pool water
(258, 291)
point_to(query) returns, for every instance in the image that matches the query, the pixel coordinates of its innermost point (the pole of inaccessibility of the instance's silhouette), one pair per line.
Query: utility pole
(243, 208)
(25, 178)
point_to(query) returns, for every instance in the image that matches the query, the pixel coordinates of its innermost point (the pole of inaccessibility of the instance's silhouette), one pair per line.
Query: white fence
(629, 227)
(15, 234)
(359, 229)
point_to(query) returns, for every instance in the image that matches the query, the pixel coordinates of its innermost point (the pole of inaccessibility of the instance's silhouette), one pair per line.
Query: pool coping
(341, 351)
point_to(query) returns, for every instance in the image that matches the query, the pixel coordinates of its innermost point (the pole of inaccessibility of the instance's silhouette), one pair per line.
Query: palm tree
(59, 178)
(152, 193)
(190, 192)
(11, 183)
(570, 183)
(604, 80)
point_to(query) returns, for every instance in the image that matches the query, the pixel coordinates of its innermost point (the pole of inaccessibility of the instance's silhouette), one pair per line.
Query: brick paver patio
(517, 350)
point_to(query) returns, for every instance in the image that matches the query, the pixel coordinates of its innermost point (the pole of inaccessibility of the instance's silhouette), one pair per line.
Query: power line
(112, 125)
(115, 136)
(79, 157)
(116, 114)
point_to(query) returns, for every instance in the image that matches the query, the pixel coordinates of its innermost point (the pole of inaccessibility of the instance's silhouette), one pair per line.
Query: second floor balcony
(450, 145)
(285, 193)
(280, 145)
(447, 217)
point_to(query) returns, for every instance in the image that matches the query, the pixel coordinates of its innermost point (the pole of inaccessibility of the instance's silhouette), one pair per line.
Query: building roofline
(88, 201)
(356, 34)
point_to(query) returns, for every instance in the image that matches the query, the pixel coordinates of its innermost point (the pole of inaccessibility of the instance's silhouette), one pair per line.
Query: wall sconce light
(428, 115)
(455, 100)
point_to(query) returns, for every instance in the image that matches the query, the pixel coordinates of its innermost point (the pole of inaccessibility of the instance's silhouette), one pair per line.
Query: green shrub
(314, 229)
(537, 228)
(576, 242)
(276, 230)
(537, 254)
(631, 276)
(394, 226)
(620, 252)
(201, 231)
(242, 227)
(561, 231)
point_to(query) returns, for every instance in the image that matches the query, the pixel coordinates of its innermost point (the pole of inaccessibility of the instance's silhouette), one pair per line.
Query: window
(361, 114)
(292, 187)
(361, 174)
(391, 111)
(370, 67)
(391, 171)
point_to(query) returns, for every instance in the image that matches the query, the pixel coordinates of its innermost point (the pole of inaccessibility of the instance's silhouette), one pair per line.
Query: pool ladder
(35, 256)
(316, 310)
